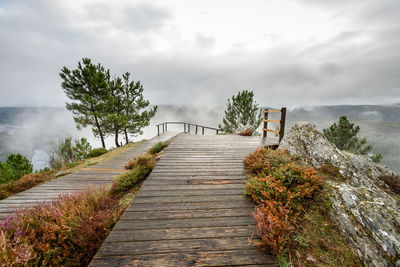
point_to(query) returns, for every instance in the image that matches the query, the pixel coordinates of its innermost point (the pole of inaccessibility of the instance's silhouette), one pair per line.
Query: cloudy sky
(292, 52)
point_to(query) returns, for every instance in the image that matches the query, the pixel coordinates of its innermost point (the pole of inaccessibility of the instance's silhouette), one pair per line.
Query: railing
(281, 122)
(185, 126)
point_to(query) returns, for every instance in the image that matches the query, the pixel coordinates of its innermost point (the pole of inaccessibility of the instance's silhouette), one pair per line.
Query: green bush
(127, 180)
(14, 168)
(97, 152)
(158, 147)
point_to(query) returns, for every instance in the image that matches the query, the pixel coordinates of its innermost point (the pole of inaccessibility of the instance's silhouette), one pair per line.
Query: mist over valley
(30, 130)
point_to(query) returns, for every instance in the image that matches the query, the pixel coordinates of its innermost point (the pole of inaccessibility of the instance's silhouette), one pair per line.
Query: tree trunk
(116, 138)
(126, 136)
(100, 132)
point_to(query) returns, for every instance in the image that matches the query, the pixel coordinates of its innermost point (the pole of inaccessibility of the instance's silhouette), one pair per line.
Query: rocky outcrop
(362, 206)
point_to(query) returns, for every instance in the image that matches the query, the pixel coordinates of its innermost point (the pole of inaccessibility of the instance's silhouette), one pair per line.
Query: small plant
(248, 132)
(158, 147)
(138, 173)
(139, 160)
(97, 152)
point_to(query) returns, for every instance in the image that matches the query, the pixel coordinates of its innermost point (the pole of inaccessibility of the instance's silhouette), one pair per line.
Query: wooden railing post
(166, 126)
(265, 123)
(158, 129)
(163, 127)
(202, 131)
(188, 127)
(282, 126)
(184, 127)
(196, 129)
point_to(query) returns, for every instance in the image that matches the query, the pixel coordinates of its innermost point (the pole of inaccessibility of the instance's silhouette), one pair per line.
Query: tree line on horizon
(111, 106)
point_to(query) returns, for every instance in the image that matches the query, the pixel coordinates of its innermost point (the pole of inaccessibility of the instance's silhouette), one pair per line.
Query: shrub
(97, 152)
(158, 147)
(128, 180)
(139, 160)
(14, 168)
(25, 182)
(280, 186)
(248, 132)
(65, 232)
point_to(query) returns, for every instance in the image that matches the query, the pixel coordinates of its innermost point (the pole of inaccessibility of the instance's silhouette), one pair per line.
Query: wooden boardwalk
(190, 211)
(99, 174)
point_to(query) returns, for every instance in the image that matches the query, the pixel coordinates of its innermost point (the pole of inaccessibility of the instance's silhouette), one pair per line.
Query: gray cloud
(359, 65)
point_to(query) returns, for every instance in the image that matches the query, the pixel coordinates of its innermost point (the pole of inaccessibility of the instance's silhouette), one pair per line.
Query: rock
(61, 173)
(362, 207)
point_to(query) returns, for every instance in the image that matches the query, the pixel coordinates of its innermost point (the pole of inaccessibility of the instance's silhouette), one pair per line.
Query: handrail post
(202, 131)
(158, 130)
(163, 127)
(196, 129)
(217, 131)
(184, 127)
(188, 127)
(166, 126)
(265, 123)
(282, 126)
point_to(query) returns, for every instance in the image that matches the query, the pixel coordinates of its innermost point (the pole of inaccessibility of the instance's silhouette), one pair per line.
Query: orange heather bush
(24, 183)
(67, 231)
(280, 186)
(248, 132)
(140, 160)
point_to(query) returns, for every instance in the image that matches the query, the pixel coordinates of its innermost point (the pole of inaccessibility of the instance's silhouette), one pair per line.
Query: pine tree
(124, 107)
(344, 136)
(87, 87)
(242, 113)
(135, 107)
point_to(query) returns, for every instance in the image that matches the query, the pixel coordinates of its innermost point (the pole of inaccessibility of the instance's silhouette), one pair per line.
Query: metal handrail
(165, 127)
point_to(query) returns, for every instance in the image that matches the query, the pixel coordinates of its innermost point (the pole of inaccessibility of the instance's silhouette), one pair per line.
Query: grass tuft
(156, 148)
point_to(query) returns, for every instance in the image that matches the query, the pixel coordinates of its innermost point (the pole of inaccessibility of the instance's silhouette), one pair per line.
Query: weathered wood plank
(197, 258)
(178, 214)
(182, 223)
(179, 233)
(162, 246)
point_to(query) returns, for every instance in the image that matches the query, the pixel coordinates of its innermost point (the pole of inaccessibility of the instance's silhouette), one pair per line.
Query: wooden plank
(272, 110)
(194, 258)
(124, 225)
(273, 121)
(190, 206)
(180, 214)
(162, 246)
(158, 200)
(179, 233)
(189, 192)
(269, 130)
